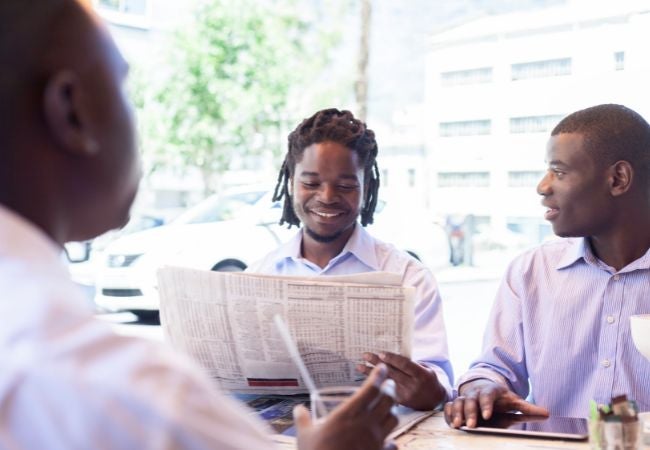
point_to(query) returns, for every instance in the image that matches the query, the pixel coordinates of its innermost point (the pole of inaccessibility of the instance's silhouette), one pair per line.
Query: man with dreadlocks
(328, 179)
(559, 332)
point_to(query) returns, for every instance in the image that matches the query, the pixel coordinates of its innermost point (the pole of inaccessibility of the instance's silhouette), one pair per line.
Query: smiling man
(561, 318)
(328, 180)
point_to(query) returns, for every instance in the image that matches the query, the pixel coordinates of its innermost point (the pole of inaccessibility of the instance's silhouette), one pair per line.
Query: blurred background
(462, 95)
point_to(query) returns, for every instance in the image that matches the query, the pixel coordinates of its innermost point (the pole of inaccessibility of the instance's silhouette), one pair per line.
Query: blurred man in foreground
(561, 317)
(69, 171)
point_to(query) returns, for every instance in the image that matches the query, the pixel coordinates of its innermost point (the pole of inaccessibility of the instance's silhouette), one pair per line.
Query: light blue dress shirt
(364, 253)
(561, 321)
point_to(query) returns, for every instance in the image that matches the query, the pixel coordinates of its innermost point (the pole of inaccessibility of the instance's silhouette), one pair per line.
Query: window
(619, 60)
(411, 177)
(465, 128)
(470, 76)
(463, 179)
(541, 69)
(137, 7)
(533, 124)
(524, 178)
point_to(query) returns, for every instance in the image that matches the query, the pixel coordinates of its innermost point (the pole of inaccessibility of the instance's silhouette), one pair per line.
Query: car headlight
(121, 260)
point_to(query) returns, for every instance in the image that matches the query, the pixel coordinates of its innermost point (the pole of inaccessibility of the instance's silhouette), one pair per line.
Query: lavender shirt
(364, 253)
(561, 322)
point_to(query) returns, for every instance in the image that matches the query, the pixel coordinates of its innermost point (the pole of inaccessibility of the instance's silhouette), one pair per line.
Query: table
(434, 433)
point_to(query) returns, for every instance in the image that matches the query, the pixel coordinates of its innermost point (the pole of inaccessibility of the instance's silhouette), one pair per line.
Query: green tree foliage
(226, 92)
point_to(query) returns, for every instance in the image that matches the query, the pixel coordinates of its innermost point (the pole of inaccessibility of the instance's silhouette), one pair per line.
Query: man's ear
(620, 178)
(66, 115)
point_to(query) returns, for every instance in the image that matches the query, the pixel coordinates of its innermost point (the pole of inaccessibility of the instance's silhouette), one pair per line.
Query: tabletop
(434, 433)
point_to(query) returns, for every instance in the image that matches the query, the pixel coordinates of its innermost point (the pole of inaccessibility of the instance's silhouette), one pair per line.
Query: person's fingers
(401, 363)
(458, 412)
(388, 423)
(301, 417)
(369, 390)
(487, 399)
(372, 358)
(381, 406)
(470, 411)
(362, 368)
(401, 379)
(528, 408)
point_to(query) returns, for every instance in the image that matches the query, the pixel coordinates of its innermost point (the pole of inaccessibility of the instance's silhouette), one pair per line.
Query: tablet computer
(554, 427)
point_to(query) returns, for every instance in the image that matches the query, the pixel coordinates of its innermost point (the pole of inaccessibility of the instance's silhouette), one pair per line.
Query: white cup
(640, 327)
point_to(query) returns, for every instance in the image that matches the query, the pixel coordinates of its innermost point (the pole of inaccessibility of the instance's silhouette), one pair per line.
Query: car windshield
(217, 208)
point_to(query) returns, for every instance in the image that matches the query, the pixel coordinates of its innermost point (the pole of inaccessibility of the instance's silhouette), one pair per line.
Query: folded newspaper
(225, 322)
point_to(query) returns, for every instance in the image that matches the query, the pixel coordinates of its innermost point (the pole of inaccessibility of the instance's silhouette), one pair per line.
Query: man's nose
(327, 193)
(544, 185)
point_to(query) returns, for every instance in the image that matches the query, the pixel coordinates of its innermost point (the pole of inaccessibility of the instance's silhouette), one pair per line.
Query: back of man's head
(612, 133)
(65, 126)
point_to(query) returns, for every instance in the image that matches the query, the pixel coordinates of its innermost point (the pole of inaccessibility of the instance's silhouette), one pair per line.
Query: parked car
(228, 233)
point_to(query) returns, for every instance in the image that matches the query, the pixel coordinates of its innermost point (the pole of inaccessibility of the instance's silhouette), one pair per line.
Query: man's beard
(323, 239)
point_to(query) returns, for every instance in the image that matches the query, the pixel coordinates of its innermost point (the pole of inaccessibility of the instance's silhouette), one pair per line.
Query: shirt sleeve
(429, 334)
(137, 396)
(503, 356)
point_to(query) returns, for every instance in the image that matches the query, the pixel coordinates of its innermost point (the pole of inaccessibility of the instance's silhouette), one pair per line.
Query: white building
(497, 86)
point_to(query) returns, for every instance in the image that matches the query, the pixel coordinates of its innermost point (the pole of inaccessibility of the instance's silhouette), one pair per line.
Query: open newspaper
(225, 321)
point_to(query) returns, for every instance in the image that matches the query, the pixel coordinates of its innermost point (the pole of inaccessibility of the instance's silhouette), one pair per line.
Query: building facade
(498, 85)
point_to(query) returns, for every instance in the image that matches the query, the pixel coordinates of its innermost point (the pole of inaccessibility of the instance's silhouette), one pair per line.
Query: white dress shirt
(68, 382)
(561, 321)
(364, 253)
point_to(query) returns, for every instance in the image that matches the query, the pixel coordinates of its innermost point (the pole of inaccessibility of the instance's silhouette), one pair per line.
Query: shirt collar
(22, 240)
(360, 244)
(581, 249)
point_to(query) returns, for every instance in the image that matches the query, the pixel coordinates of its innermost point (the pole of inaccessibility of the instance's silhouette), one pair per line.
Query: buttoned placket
(609, 331)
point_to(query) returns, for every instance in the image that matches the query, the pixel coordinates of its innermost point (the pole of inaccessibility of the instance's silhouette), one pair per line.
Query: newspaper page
(225, 322)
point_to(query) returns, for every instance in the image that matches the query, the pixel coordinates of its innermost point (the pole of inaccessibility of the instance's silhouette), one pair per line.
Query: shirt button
(606, 363)
(617, 277)
(610, 319)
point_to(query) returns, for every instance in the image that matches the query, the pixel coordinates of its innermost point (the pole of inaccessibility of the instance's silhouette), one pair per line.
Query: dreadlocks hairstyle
(611, 133)
(330, 125)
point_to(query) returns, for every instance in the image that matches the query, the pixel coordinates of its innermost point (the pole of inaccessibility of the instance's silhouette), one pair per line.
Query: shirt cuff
(477, 374)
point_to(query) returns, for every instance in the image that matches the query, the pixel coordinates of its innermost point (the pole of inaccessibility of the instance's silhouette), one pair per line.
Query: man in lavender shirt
(329, 180)
(559, 332)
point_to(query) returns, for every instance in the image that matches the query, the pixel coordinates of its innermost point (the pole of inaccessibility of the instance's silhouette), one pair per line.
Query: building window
(411, 177)
(533, 124)
(524, 178)
(541, 69)
(469, 76)
(465, 128)
(619, 60)
(136, 7)
(463, 179)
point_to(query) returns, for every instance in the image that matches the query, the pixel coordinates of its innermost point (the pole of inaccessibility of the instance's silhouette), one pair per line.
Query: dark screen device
(554, 427)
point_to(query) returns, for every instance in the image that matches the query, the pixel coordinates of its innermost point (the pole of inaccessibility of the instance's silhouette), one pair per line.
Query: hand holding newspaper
(225, 321)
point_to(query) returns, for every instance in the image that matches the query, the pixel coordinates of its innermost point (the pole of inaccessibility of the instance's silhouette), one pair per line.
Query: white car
(227, 234)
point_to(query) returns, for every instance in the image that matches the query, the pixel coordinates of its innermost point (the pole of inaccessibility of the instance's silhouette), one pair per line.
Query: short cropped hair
(612, 133)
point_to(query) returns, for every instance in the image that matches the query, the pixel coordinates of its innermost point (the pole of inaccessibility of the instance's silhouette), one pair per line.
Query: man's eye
(347, 187)
(310, 185)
